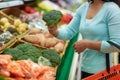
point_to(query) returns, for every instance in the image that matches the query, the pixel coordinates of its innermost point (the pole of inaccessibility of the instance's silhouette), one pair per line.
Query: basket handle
(108, 58)
(114, 44)
(107, 63)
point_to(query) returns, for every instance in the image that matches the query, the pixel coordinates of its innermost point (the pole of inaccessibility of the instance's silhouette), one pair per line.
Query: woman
(98, 21)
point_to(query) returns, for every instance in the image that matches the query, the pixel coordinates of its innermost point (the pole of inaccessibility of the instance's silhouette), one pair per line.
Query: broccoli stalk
(52, 18)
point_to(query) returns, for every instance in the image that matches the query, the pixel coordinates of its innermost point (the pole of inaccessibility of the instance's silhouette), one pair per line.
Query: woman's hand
(53, 30)
(81, 45)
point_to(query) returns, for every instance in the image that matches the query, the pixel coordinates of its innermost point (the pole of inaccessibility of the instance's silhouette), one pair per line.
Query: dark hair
(116, 1)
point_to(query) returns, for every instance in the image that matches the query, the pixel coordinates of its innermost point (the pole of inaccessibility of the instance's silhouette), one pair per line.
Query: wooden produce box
(42, 34)
(15, 11)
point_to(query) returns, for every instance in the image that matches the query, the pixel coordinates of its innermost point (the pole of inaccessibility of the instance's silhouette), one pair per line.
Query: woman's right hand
(53, 30)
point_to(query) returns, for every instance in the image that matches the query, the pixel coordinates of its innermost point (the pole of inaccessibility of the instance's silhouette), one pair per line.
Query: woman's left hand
(80, 46)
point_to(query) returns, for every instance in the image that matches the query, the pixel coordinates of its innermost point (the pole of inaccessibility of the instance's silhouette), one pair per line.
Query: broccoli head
(14, 52)
(52, 18)
(52, 56)
(24, 51)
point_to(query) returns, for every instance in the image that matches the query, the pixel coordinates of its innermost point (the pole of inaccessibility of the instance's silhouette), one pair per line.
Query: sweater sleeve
(113, 22)
(67, 33)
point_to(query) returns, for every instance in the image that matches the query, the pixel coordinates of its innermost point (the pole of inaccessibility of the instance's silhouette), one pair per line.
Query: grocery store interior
(28, 51)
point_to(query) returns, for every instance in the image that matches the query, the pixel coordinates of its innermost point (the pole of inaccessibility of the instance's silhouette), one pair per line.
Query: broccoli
(23, 52)
(27, 46)
(52, 55)
(2, 78)
(14, 52)
(52, 18)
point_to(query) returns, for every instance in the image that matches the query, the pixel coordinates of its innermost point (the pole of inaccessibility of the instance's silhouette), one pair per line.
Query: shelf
(10, 4)
(28, 1)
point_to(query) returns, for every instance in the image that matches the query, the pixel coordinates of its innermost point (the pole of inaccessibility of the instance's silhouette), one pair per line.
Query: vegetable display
(24, 70)
(52, 18)
(28, 51)
(24, 51)
(44, 39)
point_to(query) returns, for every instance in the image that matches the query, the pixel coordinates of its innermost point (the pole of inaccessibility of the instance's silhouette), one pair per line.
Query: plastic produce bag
(64, 68)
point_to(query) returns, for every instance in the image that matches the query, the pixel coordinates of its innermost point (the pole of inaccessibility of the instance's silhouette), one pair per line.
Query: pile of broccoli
(23, 52)
(28, 51)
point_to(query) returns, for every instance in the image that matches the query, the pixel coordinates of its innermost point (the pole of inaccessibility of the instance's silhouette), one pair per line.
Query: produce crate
(21, 38)
(17, 40)
(12, 42)
(15, 11)
(9, 44)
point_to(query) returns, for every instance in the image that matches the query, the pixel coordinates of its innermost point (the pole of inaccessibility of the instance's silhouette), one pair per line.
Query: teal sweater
(104, 26)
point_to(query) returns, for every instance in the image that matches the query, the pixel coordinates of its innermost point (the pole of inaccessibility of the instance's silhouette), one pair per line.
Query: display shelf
(10, 4)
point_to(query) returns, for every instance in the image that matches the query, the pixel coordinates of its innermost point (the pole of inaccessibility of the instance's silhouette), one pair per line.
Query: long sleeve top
(104, 26)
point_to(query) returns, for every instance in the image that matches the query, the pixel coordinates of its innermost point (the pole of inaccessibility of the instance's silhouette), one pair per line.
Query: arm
(66, 32)
(69, 31)
(113, 21)
(81, 45)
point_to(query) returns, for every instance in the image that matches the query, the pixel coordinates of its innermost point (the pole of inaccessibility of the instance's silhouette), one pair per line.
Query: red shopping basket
(114, 74)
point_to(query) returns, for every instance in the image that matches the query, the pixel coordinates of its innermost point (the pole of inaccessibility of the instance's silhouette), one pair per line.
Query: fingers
(76, 48)
(53, 31)
(52, 28)
(75, 45)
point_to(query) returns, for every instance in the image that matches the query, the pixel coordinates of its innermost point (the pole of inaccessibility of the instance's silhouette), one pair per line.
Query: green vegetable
(2, 78)
(23, 52)
(12, 30)
(52, 18)
(14, 52)
(52, 55)
(27, 46)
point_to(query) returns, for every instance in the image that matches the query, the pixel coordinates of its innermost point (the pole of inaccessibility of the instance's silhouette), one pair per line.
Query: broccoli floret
(23, 57)
(26, 46)
(52, 55)
(23, 52)
(52, 18)
(14, 52)
(31, 51)
(33, 54)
